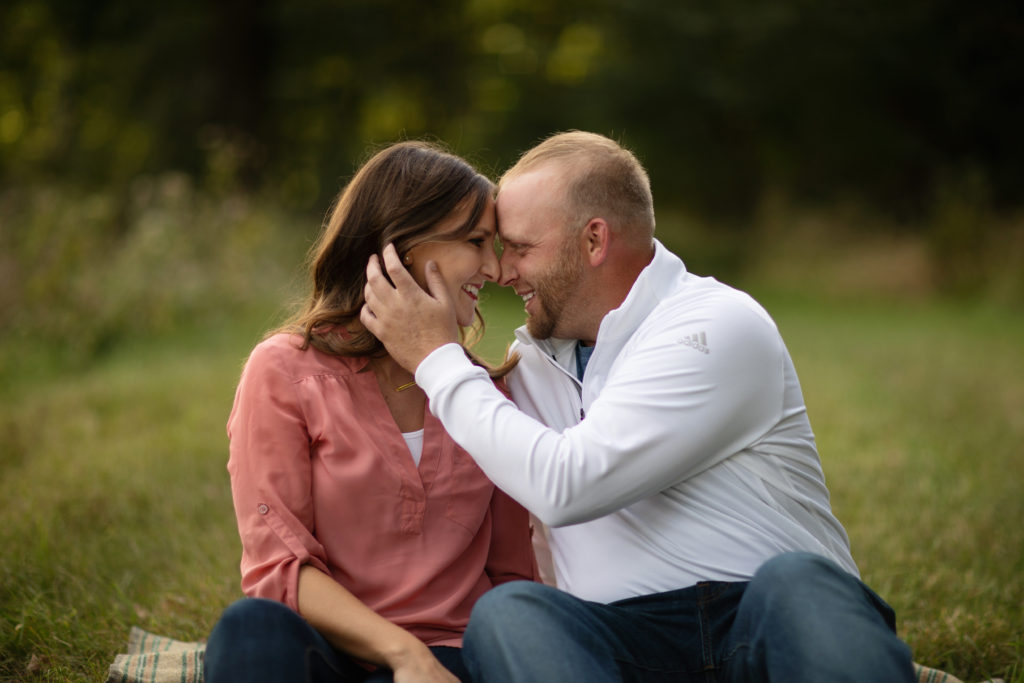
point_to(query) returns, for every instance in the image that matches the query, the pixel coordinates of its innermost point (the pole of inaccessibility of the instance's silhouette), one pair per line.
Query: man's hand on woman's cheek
(409, 321)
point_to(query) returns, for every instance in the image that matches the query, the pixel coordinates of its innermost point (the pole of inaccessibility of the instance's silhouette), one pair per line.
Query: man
(661, 435)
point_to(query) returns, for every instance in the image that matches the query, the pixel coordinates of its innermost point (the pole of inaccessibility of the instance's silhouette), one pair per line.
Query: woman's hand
(354, 628)
(421, 667)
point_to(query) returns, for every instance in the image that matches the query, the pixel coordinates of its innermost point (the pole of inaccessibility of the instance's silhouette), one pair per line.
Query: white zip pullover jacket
(685, 455)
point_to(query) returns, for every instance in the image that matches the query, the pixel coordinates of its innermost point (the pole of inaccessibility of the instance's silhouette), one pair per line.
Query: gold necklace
(382, 378)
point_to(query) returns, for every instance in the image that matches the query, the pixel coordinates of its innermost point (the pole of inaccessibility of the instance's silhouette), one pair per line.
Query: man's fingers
(409, 321)
(367, 318)
(386, 277)
(376, 283)
(376, 294)
(392, 263)
(401, 277)
(435, 284)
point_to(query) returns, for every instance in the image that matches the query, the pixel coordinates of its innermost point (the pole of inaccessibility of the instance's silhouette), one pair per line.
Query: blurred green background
(153, 158)
(163, 168)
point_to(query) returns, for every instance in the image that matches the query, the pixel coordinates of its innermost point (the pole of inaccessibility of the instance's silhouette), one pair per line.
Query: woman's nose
(490, 268)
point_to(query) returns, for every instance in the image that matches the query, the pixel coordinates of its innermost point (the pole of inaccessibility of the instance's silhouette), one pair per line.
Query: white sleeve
(667, 412)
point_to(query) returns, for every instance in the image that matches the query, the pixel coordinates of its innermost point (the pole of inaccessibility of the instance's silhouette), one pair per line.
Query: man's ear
(596, 241)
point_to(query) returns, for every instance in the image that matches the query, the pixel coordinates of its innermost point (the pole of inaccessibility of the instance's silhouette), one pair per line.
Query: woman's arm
(352, 627)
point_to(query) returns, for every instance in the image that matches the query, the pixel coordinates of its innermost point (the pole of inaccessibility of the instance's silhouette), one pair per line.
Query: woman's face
(465, 264)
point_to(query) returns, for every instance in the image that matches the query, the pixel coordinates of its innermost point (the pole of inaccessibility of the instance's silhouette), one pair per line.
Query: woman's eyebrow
(487, 231)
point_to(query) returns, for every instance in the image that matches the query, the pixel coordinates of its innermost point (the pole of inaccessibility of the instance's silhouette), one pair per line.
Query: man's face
(539, 259)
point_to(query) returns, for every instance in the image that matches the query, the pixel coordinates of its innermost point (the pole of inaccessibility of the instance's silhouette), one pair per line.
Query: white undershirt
(415, 443)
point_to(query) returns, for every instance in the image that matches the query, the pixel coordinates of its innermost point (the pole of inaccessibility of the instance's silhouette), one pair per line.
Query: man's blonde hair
(602, 179)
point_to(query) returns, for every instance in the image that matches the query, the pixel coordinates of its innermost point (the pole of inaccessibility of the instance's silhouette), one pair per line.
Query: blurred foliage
(158, 167)
(866, 98)
(83, 271)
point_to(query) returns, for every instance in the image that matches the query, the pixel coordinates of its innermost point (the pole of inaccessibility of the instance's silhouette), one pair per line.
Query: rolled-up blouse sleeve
(271, 478)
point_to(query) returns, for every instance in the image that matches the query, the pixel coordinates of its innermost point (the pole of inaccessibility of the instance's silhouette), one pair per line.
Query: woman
(355, 509)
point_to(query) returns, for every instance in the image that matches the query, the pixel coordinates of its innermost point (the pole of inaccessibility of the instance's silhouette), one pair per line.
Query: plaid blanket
(157, 659)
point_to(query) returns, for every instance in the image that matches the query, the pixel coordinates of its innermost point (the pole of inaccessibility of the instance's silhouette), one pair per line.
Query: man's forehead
(507, 233)
(547, 178)
(530, 192)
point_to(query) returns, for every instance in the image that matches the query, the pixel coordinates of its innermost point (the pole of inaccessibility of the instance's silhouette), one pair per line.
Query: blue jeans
(801, 618)
(263, 640)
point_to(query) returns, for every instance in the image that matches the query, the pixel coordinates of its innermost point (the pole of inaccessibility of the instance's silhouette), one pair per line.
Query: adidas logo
(697, 341)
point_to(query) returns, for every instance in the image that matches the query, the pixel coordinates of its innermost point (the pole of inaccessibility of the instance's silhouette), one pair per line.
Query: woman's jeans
(263, 640)
(801, 618)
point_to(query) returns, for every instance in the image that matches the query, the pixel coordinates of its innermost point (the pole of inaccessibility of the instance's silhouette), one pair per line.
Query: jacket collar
(656, 281)
(562, 351)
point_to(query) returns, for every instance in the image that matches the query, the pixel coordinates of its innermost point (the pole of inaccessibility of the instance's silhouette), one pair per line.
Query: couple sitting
(383, 479)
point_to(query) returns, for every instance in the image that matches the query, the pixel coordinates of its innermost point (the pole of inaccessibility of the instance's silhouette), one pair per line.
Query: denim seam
(727, 659)
(707, 656)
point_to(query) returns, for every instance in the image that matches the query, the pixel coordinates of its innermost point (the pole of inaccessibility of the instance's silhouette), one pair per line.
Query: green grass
(116, 509)
(919, 416)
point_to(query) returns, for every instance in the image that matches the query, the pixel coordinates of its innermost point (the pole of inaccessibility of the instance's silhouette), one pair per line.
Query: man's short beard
(555, 290)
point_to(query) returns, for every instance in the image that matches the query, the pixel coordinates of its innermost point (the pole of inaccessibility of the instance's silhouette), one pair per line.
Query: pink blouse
(321, 475)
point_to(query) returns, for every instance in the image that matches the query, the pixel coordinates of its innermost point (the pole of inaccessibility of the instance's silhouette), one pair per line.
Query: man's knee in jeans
(795, 565)
(798, 574)
(504, 607)
(798, 582)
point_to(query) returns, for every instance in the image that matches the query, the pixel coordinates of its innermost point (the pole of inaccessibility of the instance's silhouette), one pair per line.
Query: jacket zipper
(579, 386)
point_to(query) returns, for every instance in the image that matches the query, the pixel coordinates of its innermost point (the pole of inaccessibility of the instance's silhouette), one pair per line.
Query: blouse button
(263, 508)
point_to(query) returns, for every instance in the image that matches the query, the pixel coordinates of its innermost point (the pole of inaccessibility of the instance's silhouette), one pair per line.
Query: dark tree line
(882, 102)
